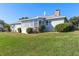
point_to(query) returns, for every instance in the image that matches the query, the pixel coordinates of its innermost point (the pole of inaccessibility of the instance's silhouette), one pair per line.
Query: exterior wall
(31, 23)
(56, 22)
(12, 28)
(15, 27)
(52, 23)
(36, 23)
(25, 25)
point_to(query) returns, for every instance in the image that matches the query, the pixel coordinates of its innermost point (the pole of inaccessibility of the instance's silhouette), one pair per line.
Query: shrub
(29, 30)
(19, 30)
(41, 28)
(65, 27)
(7, 28)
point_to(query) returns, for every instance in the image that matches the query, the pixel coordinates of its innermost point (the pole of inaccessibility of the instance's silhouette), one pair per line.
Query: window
(40, 22)
(19, 30)
(46, 22)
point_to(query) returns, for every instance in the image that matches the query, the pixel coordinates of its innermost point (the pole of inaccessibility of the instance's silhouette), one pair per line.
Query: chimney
(57, 13)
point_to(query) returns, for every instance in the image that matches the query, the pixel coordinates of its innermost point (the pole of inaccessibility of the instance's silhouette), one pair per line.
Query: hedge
(64, 27)
(29, 30)
(19, 30)
(41, 28)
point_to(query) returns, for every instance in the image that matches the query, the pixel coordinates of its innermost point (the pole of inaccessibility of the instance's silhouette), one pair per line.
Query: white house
(15, 26)
(48, 21)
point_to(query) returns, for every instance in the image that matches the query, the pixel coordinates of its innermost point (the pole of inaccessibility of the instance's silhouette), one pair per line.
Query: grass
(43, 44)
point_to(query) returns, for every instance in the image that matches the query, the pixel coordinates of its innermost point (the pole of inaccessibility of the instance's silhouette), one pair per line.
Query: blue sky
(10, 13)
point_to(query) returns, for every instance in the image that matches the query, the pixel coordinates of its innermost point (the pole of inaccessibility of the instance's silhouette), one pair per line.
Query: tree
(41, 28)
(64, 27)
(75, 21)
(7, 27)
(23, 18)
(2, 22)
(29, 30)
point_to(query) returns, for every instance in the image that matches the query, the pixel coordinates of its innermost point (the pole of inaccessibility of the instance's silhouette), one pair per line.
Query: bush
(29, 30)
(7, 28)
(65, 27)
(41, 28)
(19, 30)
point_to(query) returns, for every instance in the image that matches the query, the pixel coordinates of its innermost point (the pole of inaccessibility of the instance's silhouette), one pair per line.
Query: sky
(11, 12)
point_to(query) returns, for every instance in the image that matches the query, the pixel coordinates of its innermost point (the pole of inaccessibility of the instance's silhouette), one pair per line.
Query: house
(1, 28)
(48, 21)
(15, 26)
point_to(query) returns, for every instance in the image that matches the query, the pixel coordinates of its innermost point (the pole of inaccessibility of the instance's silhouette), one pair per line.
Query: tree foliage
(65, 27)
(41, 28)
(74, 20)
(2, 22)
(7, 26)
(29, 30)
(23, 18)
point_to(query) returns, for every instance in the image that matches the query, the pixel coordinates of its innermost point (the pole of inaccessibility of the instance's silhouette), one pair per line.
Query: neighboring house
(48, 21)
(1, 28)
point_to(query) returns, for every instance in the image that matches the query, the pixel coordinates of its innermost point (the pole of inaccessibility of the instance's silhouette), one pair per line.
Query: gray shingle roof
(40, 17)
(16, 23)
(53, 17)
(46, 17)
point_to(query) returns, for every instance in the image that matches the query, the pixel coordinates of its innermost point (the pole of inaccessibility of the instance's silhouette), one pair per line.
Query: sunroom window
(46, 22)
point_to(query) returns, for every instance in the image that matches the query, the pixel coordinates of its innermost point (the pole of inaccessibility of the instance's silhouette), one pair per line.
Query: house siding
(27, 24)
(15, 27)
(52, 23)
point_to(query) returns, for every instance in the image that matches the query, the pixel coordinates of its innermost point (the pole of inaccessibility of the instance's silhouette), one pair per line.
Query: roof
(25, 20)
(16, 23)
(46, 17)
(53, 17)
(31, 19)
(40, 17)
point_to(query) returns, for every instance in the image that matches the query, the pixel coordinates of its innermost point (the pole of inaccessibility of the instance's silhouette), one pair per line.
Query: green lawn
(51, 44)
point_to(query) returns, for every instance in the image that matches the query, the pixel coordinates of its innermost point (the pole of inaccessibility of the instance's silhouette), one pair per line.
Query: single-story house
(48, 21)
(15, 26)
